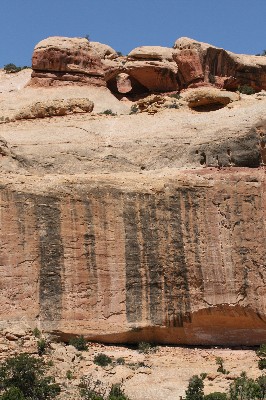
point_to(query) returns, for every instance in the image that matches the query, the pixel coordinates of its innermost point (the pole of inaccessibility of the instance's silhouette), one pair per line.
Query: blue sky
(236, 25)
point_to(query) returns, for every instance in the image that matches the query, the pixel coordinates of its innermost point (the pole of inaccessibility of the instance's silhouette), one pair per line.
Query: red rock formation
(58, 60)
(200, 64)
(184, 264)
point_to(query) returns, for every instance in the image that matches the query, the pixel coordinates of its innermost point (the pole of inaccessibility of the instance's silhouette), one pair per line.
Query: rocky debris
(58, 107)
(208, 98)
(62, 60)
(104, 51)
(201, 64)
(155, 102)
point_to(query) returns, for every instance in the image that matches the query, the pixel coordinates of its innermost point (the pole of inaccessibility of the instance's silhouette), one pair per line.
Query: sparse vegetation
(12, 68)
(261, 353)
(36, 332)
(195, 388)
(24, 377)
(246, 89)
(147, 348)
(175, 96)
(108, 112)
(79, 343)
(215, 396)
(96, 390)
(41, 346)
(69, 375)
(134, 109)
(102, 360)
(120, 361)
(220, 362)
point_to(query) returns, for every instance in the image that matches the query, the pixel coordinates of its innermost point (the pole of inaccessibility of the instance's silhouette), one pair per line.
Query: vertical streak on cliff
(214, 279)
(89, 247)
(151, 260)
(191, 235)
(133, 261)
(176, 284)
(51, 264)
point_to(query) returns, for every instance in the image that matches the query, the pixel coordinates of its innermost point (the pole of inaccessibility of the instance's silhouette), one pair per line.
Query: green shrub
(79, 343)
(90, 389)
(26, 375)
(13, 394)
(69, 375)
(215, 396)
(173, 105)
(120, 361)
(261, 352)
(108, 112)
(262, 363)
(220, 362)
(12, 68)
(195, 388)
(134, 109)
(146, 348)
(36, 333)
(102, 360)
(244, 388)
(117, 393)
(246, 89)
(175, 96)
(41, 346)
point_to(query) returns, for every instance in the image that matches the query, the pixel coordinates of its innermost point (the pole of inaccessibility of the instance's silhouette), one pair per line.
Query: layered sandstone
(128, 228)
(67, 60)
(200, 63)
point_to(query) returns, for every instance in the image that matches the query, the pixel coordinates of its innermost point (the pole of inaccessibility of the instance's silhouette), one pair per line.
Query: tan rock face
(200, 63)
(66, 59)
(183, 264)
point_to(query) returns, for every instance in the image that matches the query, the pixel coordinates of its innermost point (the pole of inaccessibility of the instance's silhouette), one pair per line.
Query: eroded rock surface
(60, 59)
(200, 63)
(129, 228)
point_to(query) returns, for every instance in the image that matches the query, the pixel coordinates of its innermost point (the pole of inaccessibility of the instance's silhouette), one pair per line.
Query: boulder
(205, 98)
(58, 60)
(153, 67)
(201, 64)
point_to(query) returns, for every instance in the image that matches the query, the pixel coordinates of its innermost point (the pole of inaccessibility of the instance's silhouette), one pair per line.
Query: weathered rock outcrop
(128, 228)
(200, 63)
(181, 262)
(148, 69)
(58, 60)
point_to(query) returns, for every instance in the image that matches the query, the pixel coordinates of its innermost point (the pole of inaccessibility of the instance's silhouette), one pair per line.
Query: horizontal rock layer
(182, 263)
(59, 60)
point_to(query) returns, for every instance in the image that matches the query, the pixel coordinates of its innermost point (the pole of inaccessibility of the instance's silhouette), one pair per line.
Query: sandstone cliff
(131, 228)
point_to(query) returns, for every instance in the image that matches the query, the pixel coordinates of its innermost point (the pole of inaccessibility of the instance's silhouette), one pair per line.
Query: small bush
(147, 348)
(25, 375)
(246, 89)
(173, 105)
(41, 346)
(117, 393)
(195, 388)
(262, 363)
(102, 360)
(215, 396)
(108, 112)
(91, 390)
(69, 375)
(12, 68)
(203, 375)
(261, 352)
(79, 343)
(134, 109)
(13, 394)
(36, 332)
(120, 361)
(119, 53)
(175, 96)
(220, 363)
